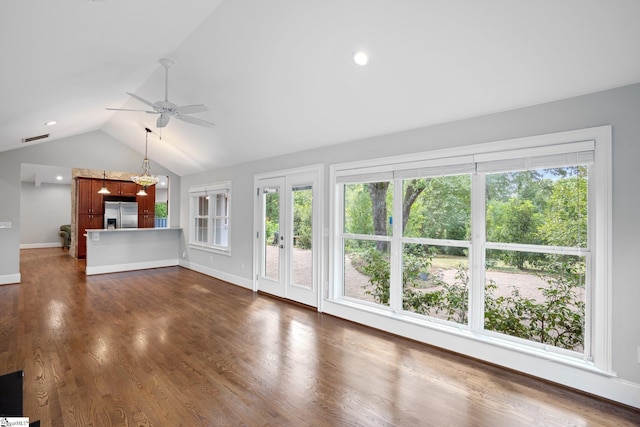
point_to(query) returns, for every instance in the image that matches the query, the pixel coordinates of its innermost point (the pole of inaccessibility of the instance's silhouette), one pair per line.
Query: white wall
(42, 211)
(618, 107)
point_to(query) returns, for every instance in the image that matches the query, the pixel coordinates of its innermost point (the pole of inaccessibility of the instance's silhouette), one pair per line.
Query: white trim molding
(9, 279)
(217, 274)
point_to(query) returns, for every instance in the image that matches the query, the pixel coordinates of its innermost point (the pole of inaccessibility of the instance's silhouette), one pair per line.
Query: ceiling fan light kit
(167, 109)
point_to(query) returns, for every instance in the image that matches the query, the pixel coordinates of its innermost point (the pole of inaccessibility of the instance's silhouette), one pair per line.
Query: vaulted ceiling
(278, 76)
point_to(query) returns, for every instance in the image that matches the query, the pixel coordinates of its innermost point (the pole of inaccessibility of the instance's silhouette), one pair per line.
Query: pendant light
(104, 189)
(146, 179)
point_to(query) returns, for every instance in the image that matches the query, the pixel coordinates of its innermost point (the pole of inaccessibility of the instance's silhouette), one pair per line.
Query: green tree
(442, 210)
(272, 216)
(357, 215)
(514, 221)
(379, 212)
(302, 218)
(161, 210)
(565, 218)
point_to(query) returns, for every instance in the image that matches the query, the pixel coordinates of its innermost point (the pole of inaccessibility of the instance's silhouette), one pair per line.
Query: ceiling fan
(168, 109)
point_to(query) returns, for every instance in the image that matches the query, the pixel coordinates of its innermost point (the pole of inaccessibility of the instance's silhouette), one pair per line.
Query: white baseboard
(114, 268)
(40, 245)
(8, 279)
(233, 279)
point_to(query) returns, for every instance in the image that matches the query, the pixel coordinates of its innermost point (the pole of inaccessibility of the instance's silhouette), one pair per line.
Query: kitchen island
(126, 249)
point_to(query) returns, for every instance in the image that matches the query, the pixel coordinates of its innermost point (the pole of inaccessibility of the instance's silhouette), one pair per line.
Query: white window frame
(598, 322)
(210, 190)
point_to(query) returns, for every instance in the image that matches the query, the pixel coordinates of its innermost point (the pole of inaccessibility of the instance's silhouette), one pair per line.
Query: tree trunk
(412, 192)
(378, 192)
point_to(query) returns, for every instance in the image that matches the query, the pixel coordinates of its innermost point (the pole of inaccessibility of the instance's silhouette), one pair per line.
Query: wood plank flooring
(171, 347)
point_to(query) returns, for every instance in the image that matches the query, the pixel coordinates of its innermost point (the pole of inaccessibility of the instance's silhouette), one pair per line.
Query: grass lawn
(449, 262)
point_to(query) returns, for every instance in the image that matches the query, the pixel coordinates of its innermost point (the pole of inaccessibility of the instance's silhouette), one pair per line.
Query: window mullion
(211, 218)
(395, 279)
(477, 251)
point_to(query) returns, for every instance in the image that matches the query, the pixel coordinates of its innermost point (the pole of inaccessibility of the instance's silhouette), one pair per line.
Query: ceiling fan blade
(162, 120)
(195, 121)
(139, 98)
(127, 109)
(191, 109)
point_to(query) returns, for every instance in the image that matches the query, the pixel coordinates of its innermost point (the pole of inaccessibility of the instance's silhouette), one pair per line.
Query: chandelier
(146, 179)
(104, 189)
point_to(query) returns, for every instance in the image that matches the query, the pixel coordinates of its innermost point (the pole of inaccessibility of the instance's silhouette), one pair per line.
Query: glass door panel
(271, 241)
(270, 237)
(302, 253)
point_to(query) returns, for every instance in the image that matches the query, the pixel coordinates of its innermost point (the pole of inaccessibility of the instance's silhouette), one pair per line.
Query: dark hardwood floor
(171, 347)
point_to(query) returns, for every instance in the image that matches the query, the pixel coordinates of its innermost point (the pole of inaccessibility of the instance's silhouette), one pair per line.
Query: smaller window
(209, 217)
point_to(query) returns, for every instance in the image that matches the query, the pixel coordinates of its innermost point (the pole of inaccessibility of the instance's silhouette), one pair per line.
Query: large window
(209, 215)
(500, 243)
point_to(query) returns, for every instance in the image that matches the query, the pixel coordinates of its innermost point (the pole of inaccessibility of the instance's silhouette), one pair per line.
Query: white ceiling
(278, 75)
(44, 174)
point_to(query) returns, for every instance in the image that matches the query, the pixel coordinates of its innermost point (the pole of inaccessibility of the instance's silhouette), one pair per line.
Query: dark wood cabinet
(122, 188)
(87, 222)
(88, 200)
(147, 208)
(89, 211)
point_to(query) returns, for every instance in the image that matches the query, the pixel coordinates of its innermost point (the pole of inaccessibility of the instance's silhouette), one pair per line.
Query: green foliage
(302, 218)
(442, 211)
(545, 207)
(161, 210)
(565, 219)
(532, 185)
(514, 221)
(272, 216)
(557, 319)
(376, 266)
(357, 216)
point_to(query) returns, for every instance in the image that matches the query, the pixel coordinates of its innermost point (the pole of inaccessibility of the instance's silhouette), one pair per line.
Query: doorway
(287, 246)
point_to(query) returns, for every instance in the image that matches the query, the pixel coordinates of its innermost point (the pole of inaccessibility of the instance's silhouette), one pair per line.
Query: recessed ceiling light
(59, 178)
(51, 123)
(360, 58)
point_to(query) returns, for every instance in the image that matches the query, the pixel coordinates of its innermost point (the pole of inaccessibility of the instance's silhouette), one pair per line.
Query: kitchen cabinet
(89, 202)
(89, 211)
(147, 208)
(86, 222)
(122, 188)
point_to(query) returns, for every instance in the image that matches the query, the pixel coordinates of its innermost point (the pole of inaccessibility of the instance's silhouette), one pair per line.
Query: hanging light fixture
(104, 189)
(146, 179)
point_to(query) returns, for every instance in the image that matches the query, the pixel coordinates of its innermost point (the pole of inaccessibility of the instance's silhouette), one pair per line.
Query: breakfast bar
(126, 249)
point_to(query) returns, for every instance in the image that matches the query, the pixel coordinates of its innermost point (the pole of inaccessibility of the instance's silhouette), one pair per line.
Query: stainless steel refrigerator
(120, 215)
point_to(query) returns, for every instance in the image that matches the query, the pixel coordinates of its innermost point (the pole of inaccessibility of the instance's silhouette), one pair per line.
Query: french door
(287, 238)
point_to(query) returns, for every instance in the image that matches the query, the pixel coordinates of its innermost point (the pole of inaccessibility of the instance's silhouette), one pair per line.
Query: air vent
(35, 138)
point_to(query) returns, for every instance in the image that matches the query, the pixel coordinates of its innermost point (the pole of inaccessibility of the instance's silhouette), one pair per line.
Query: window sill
(213, 249)
(478, 336)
